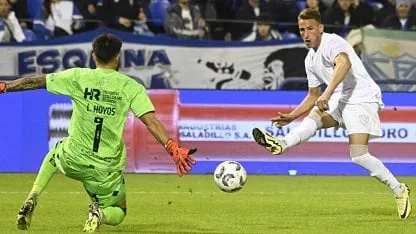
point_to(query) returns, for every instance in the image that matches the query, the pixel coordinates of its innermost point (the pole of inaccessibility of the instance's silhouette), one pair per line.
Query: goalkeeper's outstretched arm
(155, 127)
(25, 83)
(181, 156)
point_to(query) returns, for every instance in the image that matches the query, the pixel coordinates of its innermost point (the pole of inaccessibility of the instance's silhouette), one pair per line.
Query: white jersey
(357, 87)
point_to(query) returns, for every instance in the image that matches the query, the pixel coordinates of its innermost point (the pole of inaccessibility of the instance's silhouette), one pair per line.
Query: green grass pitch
(192, 204)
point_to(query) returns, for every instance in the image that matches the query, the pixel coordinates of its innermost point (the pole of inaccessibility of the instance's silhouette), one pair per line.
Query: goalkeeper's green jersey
(101, 99)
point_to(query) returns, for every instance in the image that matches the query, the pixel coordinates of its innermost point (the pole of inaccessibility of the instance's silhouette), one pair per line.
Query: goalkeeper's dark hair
(106, 46)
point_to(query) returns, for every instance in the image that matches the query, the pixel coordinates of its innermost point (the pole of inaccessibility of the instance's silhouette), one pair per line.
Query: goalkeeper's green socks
(113, 215)
(47, 170)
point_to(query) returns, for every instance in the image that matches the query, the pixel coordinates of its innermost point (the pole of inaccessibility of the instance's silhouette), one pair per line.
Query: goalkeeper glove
(2, 87)
(181, 156)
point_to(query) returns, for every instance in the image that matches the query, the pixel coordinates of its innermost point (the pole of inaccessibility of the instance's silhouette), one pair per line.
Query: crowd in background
(238, 20)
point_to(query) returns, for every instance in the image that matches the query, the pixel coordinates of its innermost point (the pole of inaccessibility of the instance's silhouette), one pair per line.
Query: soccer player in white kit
(351, 101)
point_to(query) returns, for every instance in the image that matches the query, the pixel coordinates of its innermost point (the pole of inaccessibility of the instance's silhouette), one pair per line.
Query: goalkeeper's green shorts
(103, 186)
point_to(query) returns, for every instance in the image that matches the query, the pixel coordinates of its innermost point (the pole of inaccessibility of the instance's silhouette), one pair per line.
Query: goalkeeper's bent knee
(114, 215)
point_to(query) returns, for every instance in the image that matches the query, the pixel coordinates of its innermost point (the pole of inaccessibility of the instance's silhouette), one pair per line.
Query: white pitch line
(209, 193)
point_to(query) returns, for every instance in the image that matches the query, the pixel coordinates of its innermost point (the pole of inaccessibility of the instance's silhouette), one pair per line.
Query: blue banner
(24, 137)
(158, 62)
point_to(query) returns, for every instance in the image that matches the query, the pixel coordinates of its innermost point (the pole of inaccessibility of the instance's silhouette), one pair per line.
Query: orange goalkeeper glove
(2, 87)
(181, 157)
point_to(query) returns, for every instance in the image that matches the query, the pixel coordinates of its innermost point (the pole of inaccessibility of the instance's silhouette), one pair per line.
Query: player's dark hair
(106, 46)
(308, 13)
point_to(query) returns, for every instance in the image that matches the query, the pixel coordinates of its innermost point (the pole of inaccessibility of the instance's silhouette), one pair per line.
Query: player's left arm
(24, 83)
(342, 66)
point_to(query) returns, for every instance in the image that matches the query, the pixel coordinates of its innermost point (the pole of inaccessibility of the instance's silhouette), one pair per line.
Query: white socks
(303, 132)
(379, 171)
(376, 168)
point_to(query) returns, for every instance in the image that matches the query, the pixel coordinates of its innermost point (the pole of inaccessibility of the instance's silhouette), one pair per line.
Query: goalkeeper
(94, 152)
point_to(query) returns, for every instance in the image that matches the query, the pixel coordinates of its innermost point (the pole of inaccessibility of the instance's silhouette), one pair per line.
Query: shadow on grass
(171, 228)
(158, 228)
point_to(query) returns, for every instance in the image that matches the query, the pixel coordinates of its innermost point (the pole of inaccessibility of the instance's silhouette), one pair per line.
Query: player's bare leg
(360, 155)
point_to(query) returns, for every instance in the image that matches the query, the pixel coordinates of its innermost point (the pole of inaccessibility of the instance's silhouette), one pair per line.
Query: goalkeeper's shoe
(94, 218)
(272, 144)
(24, 217)
(403, 203)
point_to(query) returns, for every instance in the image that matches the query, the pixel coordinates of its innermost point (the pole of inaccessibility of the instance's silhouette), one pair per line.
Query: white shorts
(357, 118)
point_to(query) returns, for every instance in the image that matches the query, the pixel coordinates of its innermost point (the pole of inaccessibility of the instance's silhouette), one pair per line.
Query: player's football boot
(94, 218)
(272, 144)
(403, 203)
(24, 217)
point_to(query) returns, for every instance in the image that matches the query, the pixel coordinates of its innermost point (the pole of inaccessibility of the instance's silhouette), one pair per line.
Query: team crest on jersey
(364, 119)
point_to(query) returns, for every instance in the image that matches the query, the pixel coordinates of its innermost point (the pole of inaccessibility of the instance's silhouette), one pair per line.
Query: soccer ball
(230, 176)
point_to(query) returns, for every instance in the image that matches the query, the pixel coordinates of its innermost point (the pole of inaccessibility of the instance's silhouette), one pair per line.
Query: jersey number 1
(97, 137)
